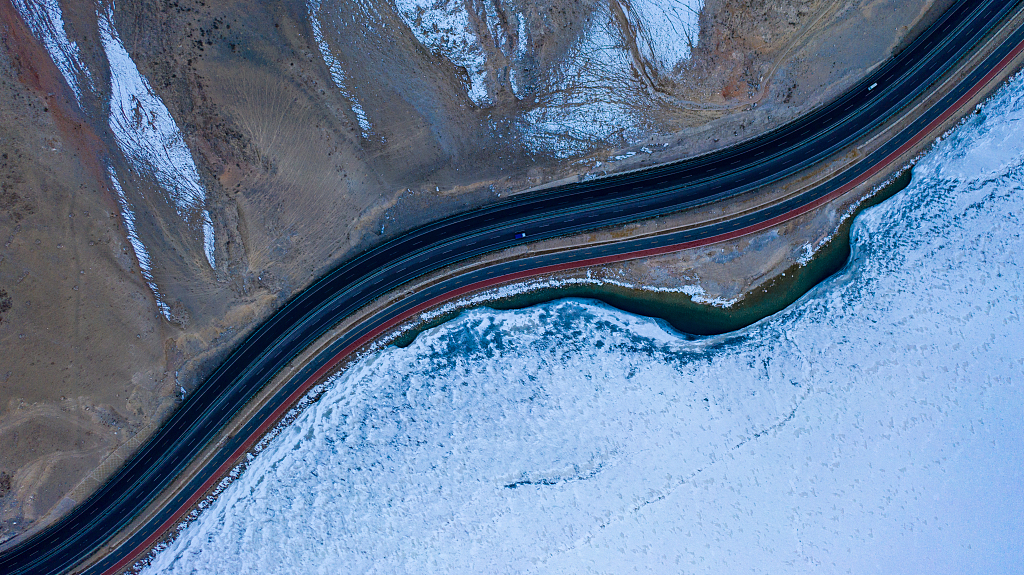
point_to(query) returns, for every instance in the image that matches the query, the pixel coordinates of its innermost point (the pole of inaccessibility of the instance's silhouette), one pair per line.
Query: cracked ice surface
(45, 19)
(148, 136)
(873, 426)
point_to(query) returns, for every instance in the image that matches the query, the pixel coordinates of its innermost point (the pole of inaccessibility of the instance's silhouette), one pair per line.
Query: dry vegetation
(294, 186)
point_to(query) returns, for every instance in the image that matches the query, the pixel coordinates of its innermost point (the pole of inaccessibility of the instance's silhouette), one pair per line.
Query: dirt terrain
(172, 172)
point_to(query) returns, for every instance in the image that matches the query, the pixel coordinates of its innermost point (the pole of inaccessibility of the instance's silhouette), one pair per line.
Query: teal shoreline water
(687, 316)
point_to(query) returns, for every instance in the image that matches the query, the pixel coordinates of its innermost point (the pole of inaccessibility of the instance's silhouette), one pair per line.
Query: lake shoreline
(679, 309)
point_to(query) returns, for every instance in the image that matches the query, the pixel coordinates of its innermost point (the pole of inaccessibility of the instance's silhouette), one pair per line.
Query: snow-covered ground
(46, 20)
(592, 95)
(141, 123)
(585, 96)
(443, 28)
(141, 253)
(338, 74)
(585, 102)
(875, 426)
(149, 137)
(667, 28)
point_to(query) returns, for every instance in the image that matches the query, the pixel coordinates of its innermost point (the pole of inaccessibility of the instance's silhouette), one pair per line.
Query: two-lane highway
(571, 209)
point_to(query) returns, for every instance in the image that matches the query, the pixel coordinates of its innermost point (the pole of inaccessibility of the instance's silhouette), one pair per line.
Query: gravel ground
(171, 173)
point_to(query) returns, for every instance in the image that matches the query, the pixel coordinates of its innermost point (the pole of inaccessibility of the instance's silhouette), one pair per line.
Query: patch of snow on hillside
(584, 104)
(594, 93)
(667, 29)
(141, 254)
(45, 19)
(337, 71)
(518, 54)
(149, 137)
(443, 27)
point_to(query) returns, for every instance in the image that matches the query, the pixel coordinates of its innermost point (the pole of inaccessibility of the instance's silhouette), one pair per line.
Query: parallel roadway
(742, 168)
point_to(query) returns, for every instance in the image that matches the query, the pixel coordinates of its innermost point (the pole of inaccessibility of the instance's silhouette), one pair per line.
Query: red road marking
(302, 389)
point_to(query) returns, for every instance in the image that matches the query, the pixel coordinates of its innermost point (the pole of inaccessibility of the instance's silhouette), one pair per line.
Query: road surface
(554, 212)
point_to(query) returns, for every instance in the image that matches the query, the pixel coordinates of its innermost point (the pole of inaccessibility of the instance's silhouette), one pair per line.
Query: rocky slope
(172, 171)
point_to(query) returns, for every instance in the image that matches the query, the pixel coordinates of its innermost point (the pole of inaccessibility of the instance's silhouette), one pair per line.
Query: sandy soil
(154, 209)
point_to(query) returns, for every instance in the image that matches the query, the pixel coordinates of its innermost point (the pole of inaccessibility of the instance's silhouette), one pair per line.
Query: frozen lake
(874, 426)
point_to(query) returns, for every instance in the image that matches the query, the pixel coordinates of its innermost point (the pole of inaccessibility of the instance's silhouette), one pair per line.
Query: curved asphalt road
(555, 212)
